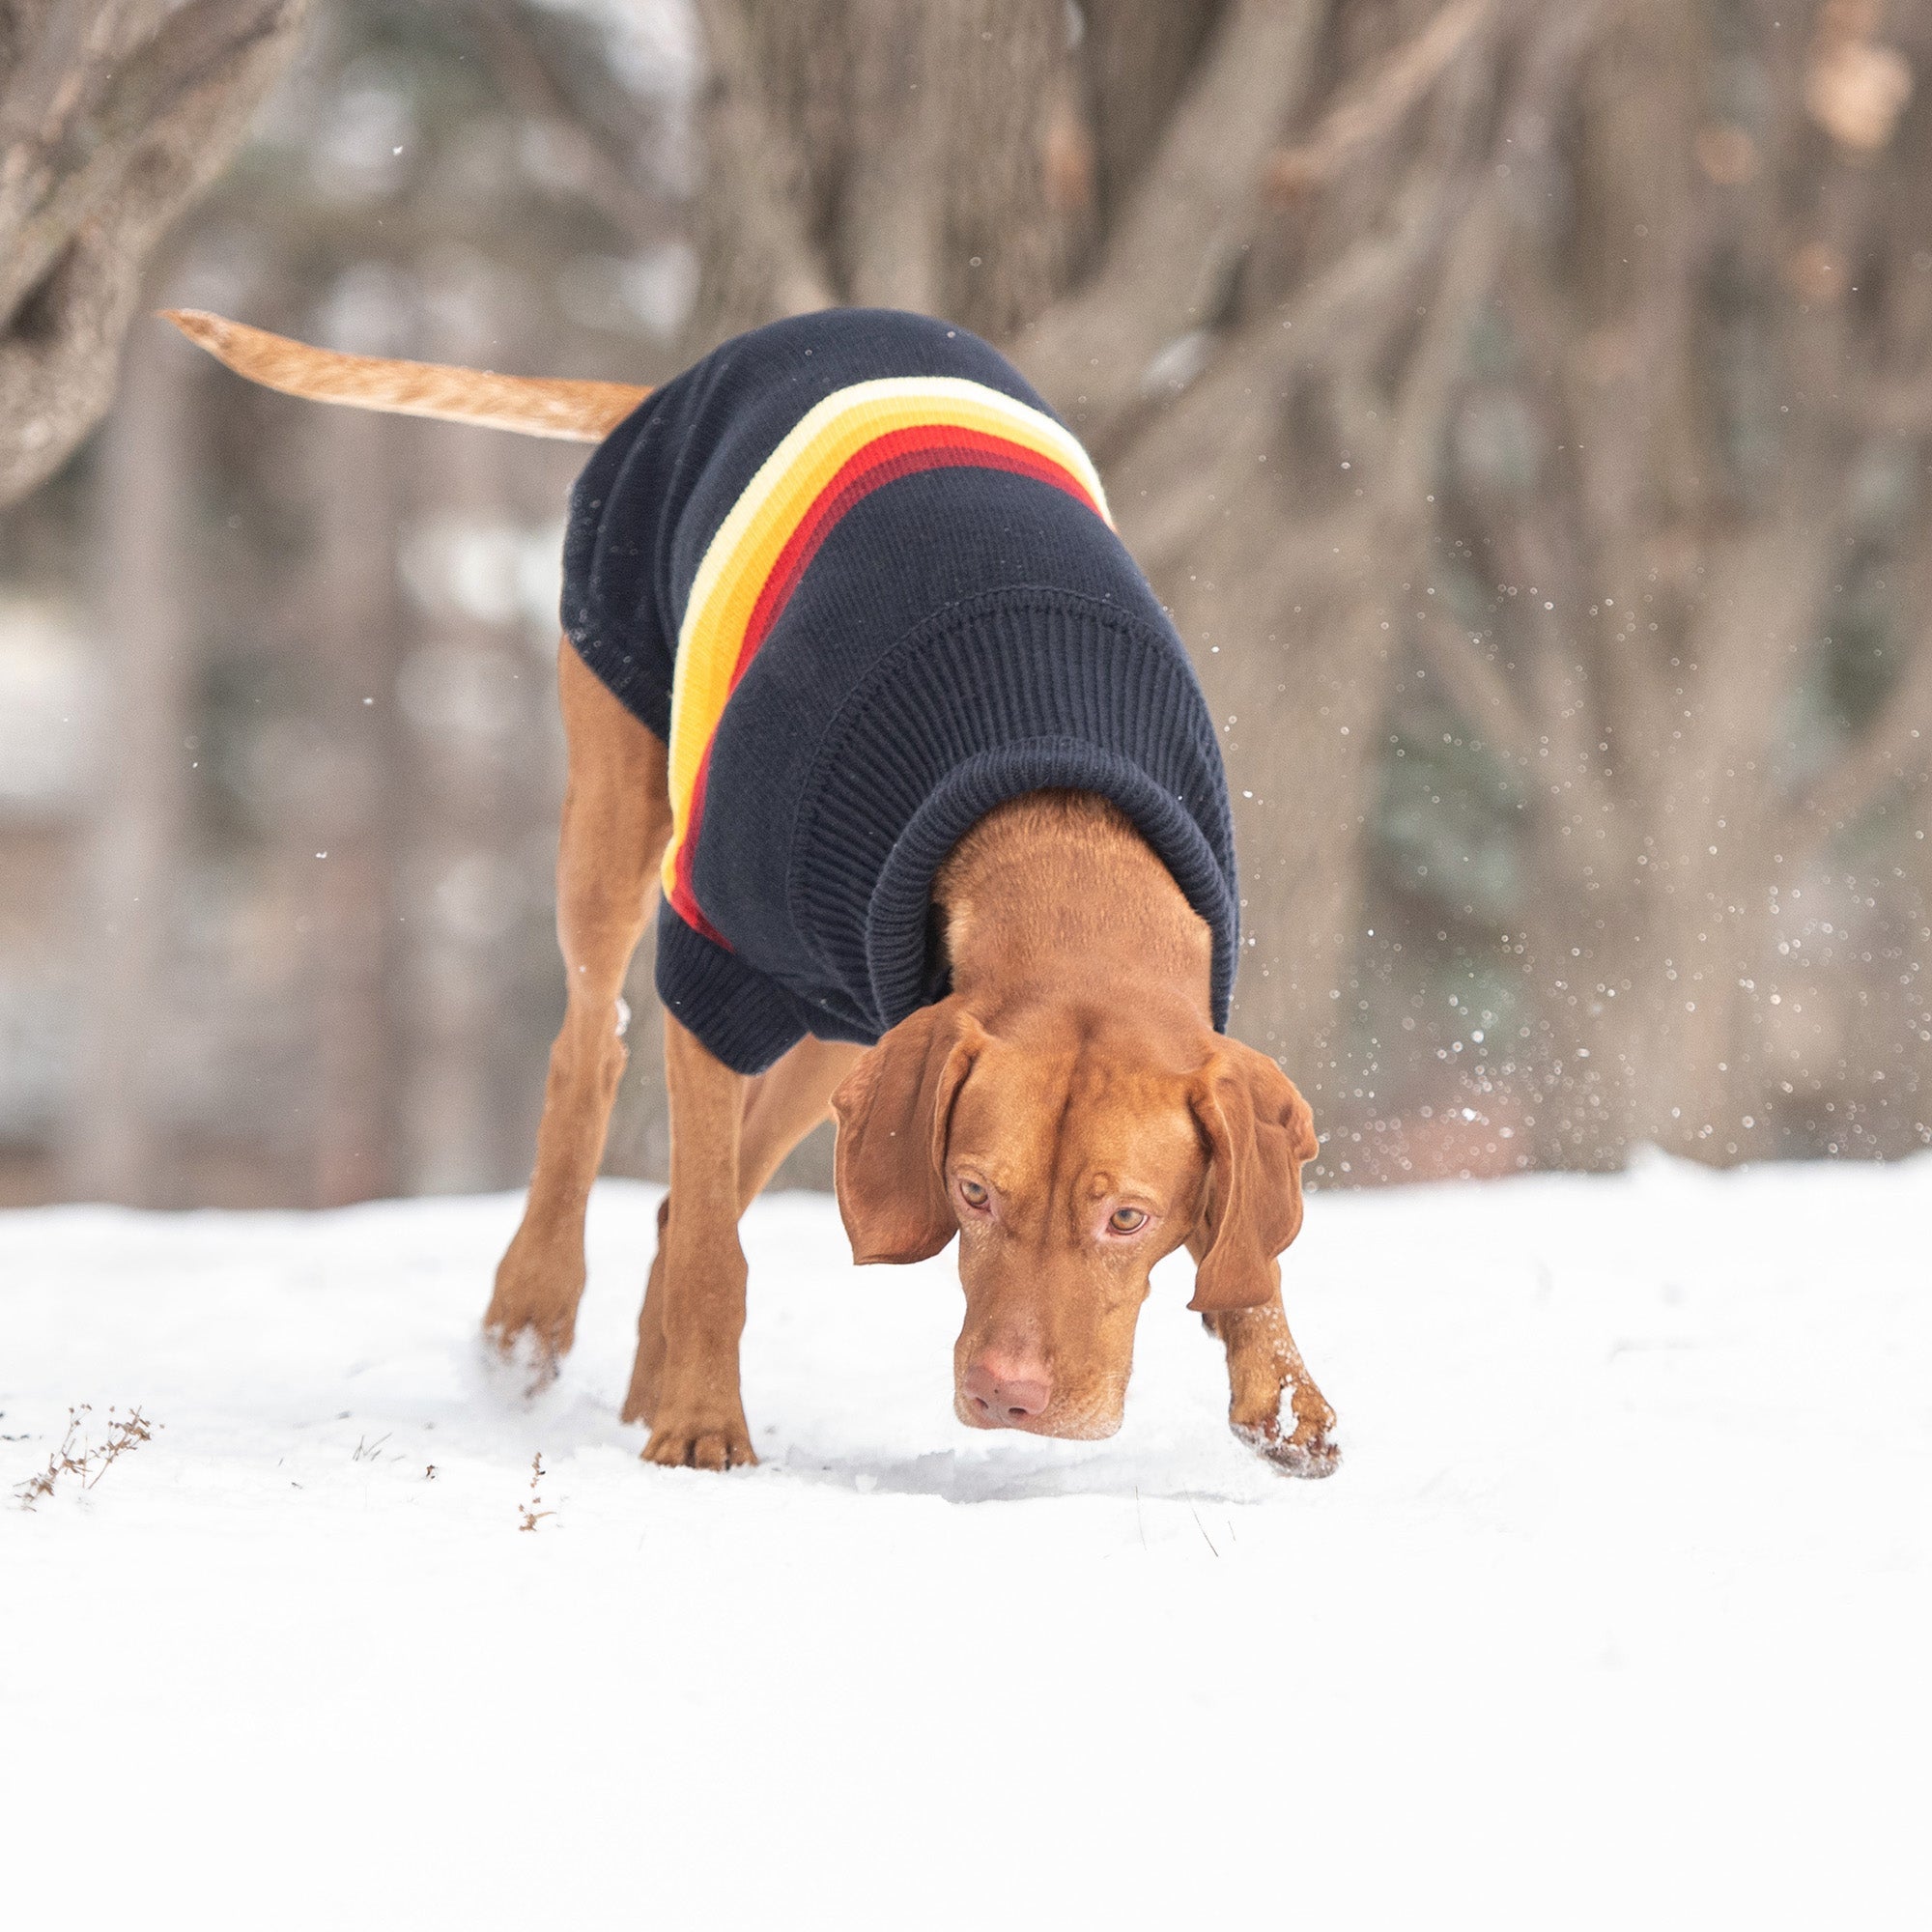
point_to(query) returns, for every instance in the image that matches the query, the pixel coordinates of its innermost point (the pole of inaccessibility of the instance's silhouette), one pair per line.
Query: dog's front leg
(699, 1415)
(781, 1106)
(1263, 1365)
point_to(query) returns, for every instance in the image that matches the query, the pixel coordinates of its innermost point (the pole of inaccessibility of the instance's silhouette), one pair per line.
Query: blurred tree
(1685, 495)
(1522, 405)
(135, 855)
(1257, 337)
(114, 116)
(309, 870)
(1544, 378)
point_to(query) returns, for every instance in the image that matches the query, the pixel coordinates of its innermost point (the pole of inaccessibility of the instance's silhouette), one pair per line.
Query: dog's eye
(1127, 1220)
(974, 1195)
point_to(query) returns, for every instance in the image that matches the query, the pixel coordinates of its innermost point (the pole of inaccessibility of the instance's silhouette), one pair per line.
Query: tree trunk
(120, 1150)
(1661, 547)
(1140, 154)
(352, 898)
(113, 118)
(1518, 345)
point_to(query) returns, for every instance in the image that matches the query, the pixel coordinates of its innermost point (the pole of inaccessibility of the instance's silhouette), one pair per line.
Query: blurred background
(1524, 407)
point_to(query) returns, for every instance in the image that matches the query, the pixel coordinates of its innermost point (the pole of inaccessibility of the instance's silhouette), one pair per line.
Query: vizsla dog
(856, 671)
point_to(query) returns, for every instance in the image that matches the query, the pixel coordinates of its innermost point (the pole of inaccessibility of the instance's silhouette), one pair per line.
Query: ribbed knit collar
(1071, 693)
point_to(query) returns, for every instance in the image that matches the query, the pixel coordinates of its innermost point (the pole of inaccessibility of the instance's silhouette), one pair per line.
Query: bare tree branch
(127, 138)
(1168, 270)
(1894, 748)
(1471, 680)
(123, 112)
(597, 175)
(1378, 105)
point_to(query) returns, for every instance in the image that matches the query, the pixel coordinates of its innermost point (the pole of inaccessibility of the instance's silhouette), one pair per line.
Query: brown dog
(1067, 1107)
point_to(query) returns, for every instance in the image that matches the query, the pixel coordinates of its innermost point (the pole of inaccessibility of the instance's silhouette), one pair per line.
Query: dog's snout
(1004, 1393)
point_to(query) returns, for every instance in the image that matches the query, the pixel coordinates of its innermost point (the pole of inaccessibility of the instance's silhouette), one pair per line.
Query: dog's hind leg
(780, 1108)
(616, 822)
(784, 1103)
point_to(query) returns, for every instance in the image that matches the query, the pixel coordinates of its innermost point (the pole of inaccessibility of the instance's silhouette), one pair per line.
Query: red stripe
(906, 452)
(683, 900)
(884, 460)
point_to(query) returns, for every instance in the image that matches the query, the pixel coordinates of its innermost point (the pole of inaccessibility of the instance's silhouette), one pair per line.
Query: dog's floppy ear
(1259, 1131)
(894, 1109)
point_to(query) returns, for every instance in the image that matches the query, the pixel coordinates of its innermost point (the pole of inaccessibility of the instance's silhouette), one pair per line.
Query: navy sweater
(862, 582)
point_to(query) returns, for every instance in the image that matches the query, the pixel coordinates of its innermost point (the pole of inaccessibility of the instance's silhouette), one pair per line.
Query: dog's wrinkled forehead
(1045, 1118)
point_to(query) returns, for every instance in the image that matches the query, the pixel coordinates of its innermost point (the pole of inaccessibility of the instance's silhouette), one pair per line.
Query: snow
(1616, 1610)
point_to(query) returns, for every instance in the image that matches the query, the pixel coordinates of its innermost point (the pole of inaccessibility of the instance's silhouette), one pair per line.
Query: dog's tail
(534, 405)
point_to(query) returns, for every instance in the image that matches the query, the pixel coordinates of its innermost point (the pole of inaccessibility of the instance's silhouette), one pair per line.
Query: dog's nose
(1002, 1393)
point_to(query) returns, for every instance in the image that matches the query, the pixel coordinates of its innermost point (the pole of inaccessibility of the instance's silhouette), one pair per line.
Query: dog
(861, 688)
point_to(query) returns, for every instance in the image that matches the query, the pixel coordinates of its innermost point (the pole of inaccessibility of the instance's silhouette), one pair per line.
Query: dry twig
(1376, 106)
(84, 1461)
(533, 1512)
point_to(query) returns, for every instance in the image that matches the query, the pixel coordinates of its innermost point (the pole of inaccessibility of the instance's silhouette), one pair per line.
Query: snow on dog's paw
(518, 1367)
(1313, 1458)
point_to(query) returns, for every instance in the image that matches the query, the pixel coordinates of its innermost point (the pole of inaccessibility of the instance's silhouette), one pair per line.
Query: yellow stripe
(752, 537)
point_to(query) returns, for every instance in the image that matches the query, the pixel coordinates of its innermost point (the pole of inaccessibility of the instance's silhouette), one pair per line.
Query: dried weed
(84, 1461)
(533, 1511)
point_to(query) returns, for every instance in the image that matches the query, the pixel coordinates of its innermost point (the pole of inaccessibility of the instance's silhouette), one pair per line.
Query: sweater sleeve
(737, 1013)
(612, 604)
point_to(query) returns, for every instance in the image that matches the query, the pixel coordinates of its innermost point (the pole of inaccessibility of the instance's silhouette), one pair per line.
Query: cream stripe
(747, 546)
(1018, 418)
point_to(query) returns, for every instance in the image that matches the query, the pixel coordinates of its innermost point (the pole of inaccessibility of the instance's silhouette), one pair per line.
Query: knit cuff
(738, 1015)
(639, 680)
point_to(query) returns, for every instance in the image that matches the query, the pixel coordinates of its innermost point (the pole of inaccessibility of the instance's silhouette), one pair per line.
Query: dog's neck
(1056, 895)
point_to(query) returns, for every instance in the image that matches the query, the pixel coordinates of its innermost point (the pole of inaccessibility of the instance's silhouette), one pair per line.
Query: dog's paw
(529, 1352)
(533, 1313)
(701, 1445)
(516, 1368)
(1308, 1452)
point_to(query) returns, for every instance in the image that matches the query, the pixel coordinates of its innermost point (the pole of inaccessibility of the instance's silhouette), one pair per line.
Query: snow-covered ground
(1617, 1613)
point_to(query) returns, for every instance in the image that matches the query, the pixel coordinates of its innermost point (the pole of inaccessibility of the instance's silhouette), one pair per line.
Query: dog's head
(1070, 1150)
